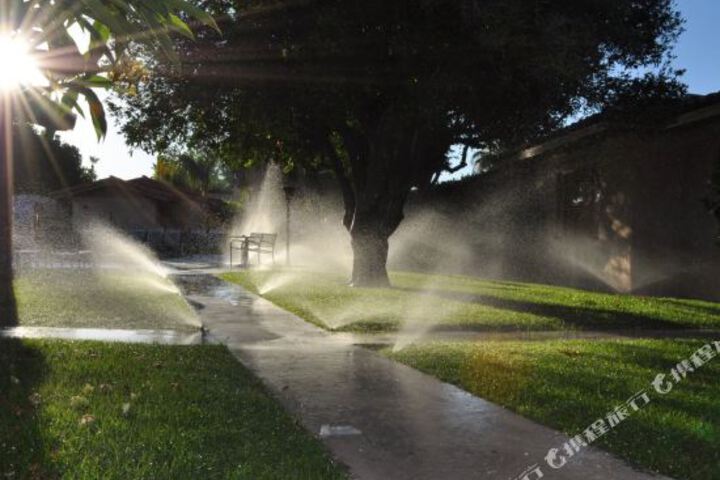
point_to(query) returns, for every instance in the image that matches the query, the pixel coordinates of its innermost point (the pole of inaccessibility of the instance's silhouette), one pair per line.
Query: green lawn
(569, 384)
(77, 298)
(190, 413)
(466, 303)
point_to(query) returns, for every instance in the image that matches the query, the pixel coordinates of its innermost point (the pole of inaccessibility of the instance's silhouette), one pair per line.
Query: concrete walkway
(384, 420)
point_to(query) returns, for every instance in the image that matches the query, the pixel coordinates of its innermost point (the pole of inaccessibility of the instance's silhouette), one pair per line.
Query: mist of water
(504, 233)
(277, 279)
(113, 251)
(319, 241)
(430, 239)
(266, 206)
(416, 326)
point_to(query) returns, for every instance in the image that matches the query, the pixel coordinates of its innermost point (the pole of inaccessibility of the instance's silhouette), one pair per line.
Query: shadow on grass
(577, 317)
(23, 453)
(8, 302)
(587, 391)
(706, 308)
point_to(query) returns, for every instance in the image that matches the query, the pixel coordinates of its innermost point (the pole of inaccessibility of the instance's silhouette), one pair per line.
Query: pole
(8, 313)
(287, 229)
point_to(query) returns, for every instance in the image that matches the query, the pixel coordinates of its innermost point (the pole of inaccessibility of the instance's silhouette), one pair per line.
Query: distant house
(28, 210)
(619, 201)
(140, 204)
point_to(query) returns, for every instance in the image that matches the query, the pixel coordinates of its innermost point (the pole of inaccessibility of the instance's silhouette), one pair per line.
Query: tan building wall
(620, 209)
(127, 212)
(676, 236)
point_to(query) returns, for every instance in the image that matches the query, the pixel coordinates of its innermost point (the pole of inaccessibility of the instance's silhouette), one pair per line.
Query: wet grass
(446, 302)
(114, 411)
(569, 384)
(82, 298)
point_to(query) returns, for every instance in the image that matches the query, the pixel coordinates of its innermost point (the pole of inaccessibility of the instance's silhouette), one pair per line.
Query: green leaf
(95, 81)
(70, 99)
(99, 38)
(102, 32)
(195, 12)
(181, 26)
(117, 24)
(46, 112)
(97, 111)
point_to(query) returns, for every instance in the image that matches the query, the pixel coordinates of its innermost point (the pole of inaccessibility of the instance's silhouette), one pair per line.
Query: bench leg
(245, 254)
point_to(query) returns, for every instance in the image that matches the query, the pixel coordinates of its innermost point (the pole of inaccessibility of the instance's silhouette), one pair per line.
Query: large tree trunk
(376, 218)
(370, 253)
(8, 313)
(387, 157)
(381, 178)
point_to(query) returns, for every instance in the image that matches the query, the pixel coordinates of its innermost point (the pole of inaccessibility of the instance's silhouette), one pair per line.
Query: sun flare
(17, 65)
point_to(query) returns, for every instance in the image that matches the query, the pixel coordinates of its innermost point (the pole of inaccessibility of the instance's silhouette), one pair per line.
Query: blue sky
(697, 51)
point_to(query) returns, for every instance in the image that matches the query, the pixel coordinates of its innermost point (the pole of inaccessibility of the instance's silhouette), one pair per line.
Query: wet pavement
(164, 337)
(210, 264)
(384, 420)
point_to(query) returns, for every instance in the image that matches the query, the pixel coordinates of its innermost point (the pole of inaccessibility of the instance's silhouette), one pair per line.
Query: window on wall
(579, 198)
(584, 194)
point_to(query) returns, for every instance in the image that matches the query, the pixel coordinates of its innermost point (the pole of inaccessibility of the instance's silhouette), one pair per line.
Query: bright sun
(17, 65)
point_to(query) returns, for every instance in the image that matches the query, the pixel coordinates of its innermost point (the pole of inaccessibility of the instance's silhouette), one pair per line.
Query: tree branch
(346, 187)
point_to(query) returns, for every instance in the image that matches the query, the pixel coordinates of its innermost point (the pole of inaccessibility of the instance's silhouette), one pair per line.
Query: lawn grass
(107, 299)
(191, 413)
(465, 303)
(569, 384)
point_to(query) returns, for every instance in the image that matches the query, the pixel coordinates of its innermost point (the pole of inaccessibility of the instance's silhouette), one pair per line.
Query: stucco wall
(675, 234)
(37, 220)
(127, 213)
(622, 210)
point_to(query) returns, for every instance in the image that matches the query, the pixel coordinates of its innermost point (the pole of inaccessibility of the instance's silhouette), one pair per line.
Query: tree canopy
(45, 164)
(194, 170)
(379, 90)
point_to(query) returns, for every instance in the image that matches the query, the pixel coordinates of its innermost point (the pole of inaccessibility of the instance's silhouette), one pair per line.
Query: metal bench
(260, 243)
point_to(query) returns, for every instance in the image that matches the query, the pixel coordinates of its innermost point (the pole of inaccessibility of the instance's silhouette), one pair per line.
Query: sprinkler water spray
(289, 189)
